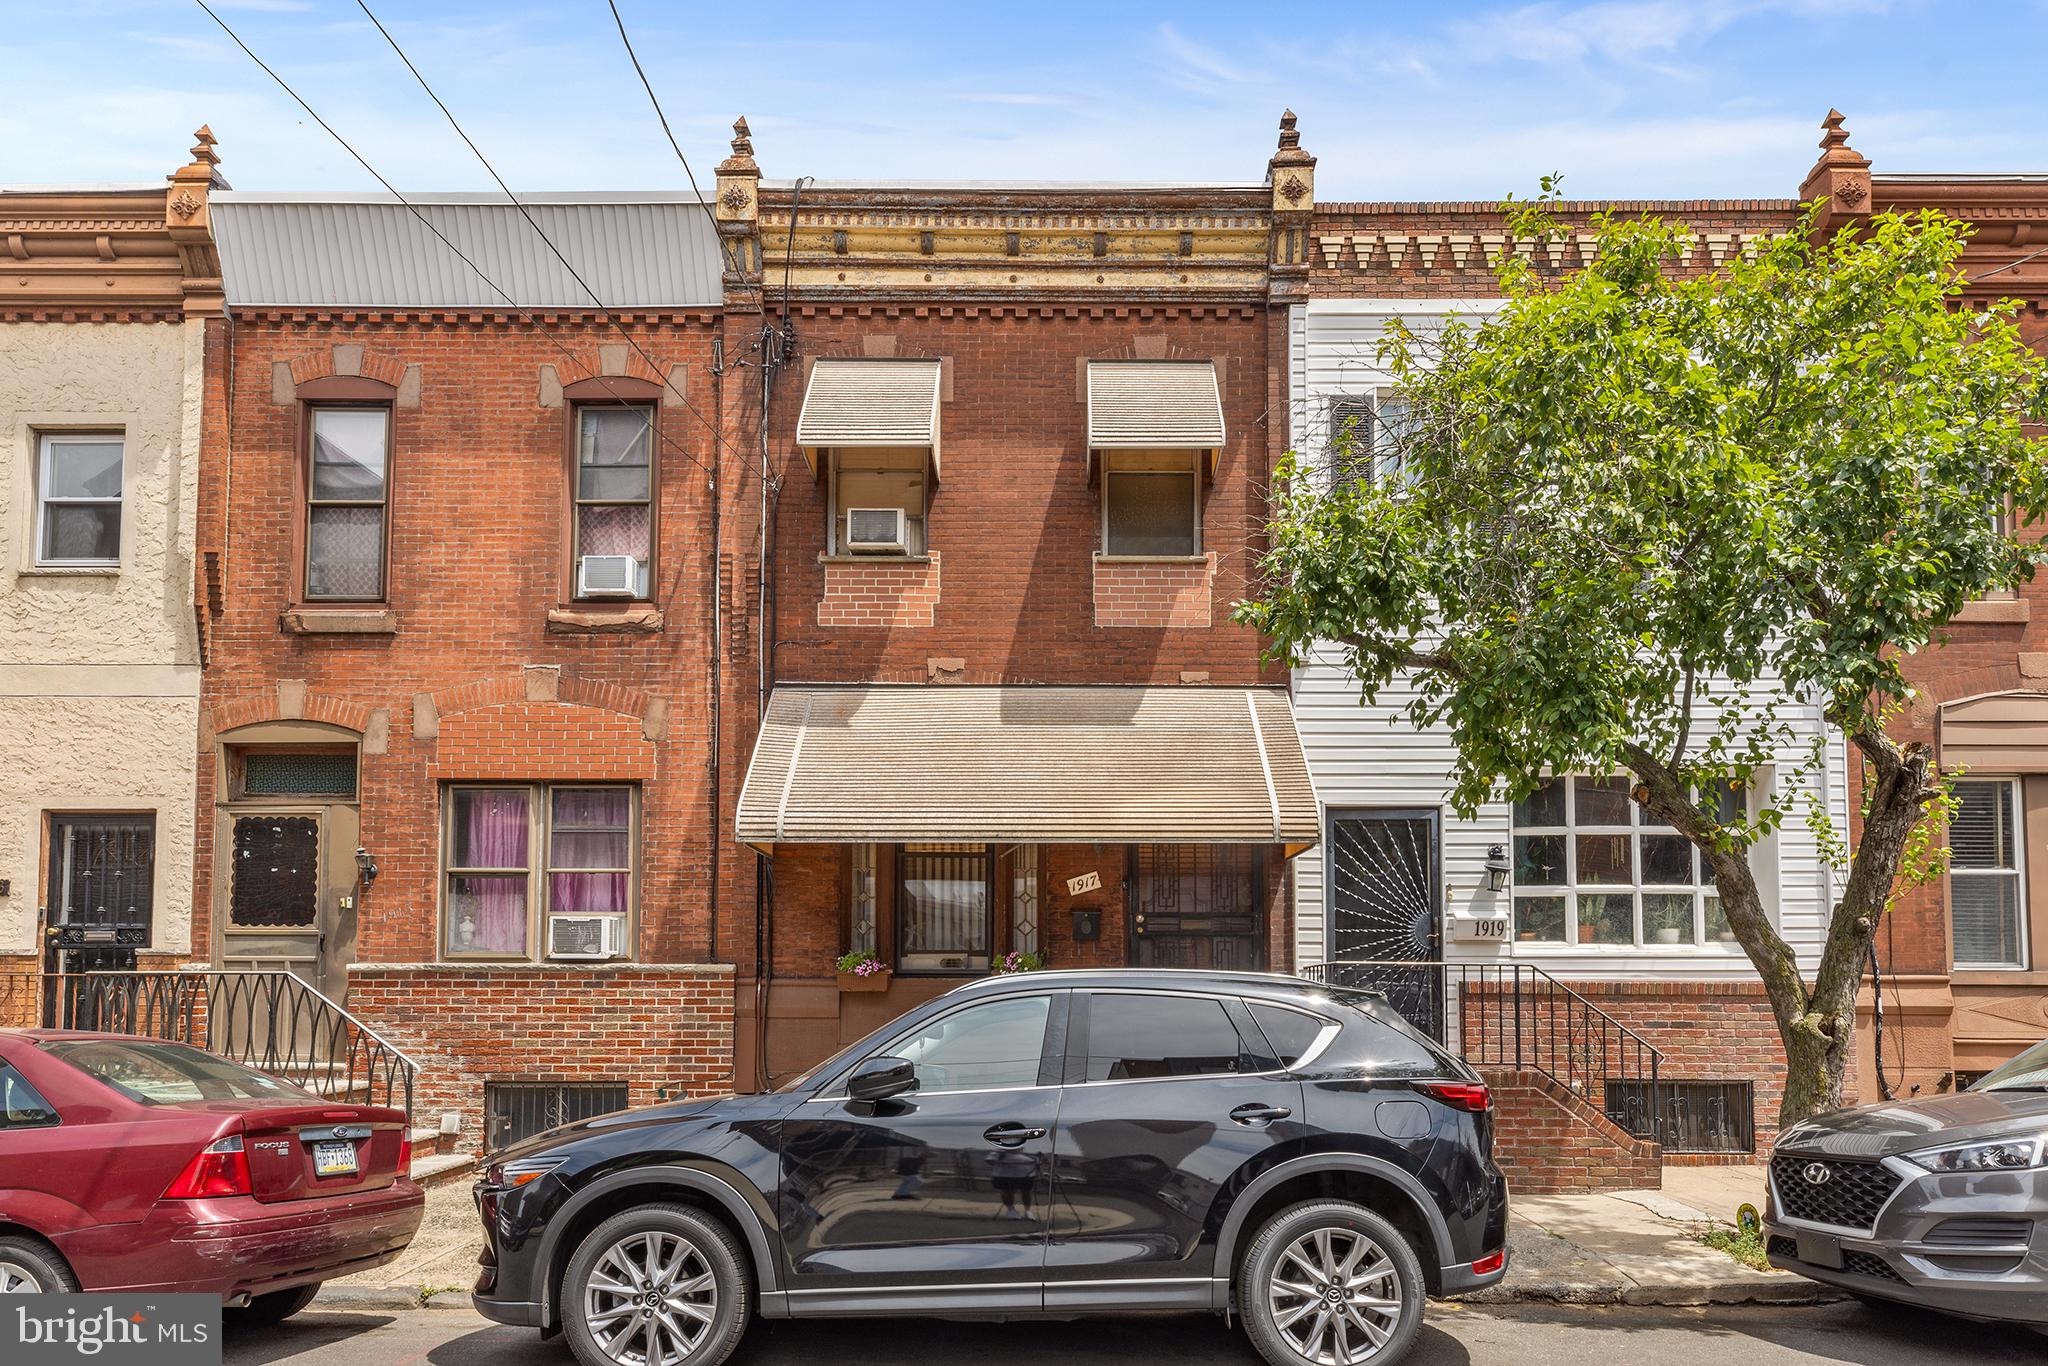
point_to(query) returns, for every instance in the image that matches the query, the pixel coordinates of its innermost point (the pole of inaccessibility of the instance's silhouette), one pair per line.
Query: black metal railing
(21, 999)
(271, 1021)
(1515, 1015)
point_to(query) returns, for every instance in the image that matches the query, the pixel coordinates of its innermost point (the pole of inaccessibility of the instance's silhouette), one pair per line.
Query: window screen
(1141, 1036)
(1149, 512)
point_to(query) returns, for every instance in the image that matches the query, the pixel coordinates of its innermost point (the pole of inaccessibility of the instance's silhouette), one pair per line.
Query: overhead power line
(541, 233)
(659, 113)
(460, 255)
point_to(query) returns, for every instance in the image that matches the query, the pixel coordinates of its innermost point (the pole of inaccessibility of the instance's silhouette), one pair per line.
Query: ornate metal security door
(1382, 884)
(1197, 906)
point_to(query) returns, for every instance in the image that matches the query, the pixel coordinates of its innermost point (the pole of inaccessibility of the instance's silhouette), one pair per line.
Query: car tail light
(219, 1169)
(1490, 1263)
(404, 1156)
(1461, 1095)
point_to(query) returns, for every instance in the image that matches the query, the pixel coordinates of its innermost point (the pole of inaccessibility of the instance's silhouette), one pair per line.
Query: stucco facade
(102, 339)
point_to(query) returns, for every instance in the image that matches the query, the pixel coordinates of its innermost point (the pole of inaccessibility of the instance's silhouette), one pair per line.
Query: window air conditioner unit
(607, 576)
(874, 531)
(586, 936)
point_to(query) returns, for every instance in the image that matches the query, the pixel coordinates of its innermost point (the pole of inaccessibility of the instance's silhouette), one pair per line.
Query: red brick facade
(1550, 1141)
(1142, 593)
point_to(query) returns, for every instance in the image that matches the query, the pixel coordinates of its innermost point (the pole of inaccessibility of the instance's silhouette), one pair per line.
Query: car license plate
(1820, 1249)
(337, 1158)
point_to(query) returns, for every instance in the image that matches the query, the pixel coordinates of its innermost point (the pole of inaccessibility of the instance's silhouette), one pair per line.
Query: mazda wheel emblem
(1817, 1174)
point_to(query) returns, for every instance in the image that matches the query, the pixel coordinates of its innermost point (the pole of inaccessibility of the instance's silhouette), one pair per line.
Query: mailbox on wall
(1087, 926)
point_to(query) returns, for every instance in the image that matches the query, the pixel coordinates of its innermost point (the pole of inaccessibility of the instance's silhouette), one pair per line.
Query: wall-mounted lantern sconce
(366, 867)
(1497, 869)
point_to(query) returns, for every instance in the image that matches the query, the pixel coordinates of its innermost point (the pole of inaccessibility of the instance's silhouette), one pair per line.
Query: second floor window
(867, 486)
(78, 500)
(1152, 503)
(614, 499)
(347, 504)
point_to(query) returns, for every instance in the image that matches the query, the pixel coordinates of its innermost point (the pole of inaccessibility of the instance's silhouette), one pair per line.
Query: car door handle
(1259, 1114)
(1011, 1135)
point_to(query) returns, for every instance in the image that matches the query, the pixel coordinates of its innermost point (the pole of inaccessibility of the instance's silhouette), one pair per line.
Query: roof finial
(1832, 133)
(202, 146)
(741, 162)
(1288, 136)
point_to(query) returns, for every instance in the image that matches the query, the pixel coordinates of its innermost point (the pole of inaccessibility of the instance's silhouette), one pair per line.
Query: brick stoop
(1552, 1141)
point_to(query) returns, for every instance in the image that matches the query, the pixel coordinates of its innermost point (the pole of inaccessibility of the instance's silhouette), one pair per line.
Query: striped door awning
(1148, 404)
(1050, 765)
(850, 403)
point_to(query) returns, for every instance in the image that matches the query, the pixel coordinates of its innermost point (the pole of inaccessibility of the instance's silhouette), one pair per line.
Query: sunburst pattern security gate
(1381, 872)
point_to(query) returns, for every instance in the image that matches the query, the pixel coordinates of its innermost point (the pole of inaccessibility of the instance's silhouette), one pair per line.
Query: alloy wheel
(650, 1300)
(1335, 1296)
(16, 1279)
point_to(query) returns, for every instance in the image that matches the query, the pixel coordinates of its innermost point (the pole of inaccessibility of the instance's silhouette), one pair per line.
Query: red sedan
(136, 1165)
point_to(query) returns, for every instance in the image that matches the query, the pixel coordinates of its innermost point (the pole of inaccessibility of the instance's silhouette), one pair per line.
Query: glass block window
(1024, 898)
(268, 774)
(861, 914)
(1985, 893)
(1589, 869)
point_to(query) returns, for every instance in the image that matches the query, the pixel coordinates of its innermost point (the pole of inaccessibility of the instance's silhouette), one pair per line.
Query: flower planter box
(873, 981)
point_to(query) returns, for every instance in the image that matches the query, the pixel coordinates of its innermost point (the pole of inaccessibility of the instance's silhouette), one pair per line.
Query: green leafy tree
(1634, 520)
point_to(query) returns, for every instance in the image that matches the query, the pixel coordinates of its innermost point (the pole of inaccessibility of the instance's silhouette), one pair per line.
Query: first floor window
(517, 854)
(1590, 869)
(347, 485)
(104, 870)
(1984, 874)
(943, 907)
(869, 484)
(614, 498)
(1151, 503)
(78, 499)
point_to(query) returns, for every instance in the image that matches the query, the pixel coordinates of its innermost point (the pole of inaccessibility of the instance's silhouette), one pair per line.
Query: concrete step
(426, 1142)
(434, 1171)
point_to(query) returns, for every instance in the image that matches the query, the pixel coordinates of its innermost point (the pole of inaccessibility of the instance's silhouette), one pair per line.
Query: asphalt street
(1526, 1335)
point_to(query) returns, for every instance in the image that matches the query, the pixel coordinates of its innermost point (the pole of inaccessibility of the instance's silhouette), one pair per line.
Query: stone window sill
(604, 621)
(824, 558)
(334, 621)
(1101, 558)
(1995, 610)
(69, 571)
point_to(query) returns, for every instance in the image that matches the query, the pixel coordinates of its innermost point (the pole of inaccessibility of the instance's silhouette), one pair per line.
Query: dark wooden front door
(1197, 906)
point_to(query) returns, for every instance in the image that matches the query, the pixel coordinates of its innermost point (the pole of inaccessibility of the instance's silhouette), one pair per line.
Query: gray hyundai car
(1939, 1201)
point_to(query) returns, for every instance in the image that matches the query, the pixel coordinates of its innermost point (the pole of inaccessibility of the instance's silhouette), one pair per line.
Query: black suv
(1056, 1143)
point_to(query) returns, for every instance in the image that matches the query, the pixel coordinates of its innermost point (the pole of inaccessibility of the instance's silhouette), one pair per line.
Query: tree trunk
(1817, 1025)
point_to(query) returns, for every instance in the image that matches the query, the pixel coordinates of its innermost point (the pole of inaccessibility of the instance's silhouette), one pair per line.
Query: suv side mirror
(881, 1077)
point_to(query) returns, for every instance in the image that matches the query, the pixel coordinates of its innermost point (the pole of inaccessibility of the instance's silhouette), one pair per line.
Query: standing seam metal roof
(364, 251)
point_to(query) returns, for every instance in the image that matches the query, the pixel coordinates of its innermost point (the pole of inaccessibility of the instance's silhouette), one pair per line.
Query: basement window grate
(517, 1110)
(1699, 1116)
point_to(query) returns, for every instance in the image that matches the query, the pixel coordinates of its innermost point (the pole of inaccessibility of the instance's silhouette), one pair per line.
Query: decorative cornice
(505, 319)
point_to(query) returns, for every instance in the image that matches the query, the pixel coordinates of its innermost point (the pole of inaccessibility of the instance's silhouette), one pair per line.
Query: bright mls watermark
(112, 1330)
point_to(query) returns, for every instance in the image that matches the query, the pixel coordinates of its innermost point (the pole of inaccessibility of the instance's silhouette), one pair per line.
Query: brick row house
(1964, 961)
(611, 620)
(104, 306)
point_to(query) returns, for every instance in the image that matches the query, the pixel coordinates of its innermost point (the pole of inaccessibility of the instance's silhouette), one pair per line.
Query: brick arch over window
(543, 683)
(558, 741)
(348, 361)
(289, 701)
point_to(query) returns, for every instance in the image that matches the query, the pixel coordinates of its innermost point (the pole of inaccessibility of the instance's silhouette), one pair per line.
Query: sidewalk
(1638, 1247)
(1635, 1247)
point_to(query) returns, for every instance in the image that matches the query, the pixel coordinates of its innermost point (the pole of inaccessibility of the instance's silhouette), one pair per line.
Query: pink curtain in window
(495, 837)
(590, 831)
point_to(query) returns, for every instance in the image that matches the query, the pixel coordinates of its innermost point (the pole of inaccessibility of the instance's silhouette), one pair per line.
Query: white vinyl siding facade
(1370, 758)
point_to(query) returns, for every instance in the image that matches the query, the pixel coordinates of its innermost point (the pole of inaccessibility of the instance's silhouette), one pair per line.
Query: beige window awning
(870, 403)
(896, 764)
(1154, 404)
(2003, 732)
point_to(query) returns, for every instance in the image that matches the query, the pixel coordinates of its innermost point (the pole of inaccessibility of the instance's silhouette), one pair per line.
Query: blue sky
(1455, 100)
